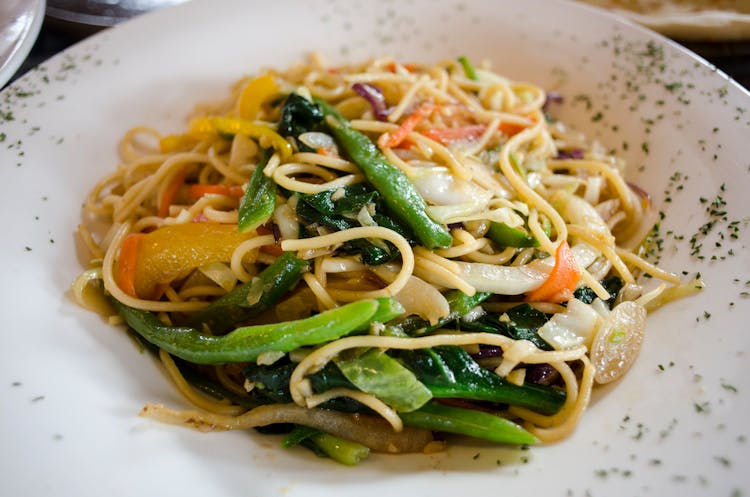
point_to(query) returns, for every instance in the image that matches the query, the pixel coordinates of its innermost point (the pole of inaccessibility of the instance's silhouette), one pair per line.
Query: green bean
(478, 424)
(252, 298)
(506, 236)
(339, 449)
(398, 192)
(247, 343)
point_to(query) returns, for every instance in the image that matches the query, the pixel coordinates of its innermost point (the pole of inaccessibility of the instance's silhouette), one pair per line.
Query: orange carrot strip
(394, 139)
(510, 129)
(469, 132)
(126, 263)
(409, 67)
(559, 285)
(233, 191)
(169, 194)
(449, 135)
(514, 128)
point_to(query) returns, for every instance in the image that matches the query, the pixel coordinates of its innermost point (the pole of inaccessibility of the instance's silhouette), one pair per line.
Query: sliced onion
(476, 211)
(286, 220)
(576, 326)
(317, 140)
(594, 185)
(576, 210)
(502, 280)
(438, 186)
(221, 274)
(418, 297)
(632, 238)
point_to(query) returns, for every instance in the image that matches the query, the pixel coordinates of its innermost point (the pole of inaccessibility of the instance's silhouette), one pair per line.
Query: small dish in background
(20, 22)
(88, 16)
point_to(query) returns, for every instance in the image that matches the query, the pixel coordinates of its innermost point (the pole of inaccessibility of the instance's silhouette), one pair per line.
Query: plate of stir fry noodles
(336, 248)
(378, 254)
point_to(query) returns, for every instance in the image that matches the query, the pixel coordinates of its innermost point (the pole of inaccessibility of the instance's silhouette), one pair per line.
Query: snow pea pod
(247, 343)
(398, 192)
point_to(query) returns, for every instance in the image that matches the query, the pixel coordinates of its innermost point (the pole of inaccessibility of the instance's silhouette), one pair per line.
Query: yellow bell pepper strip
(247, 343)
(229, 126)
(398, 192)
(259, 202)
(172, 251)
(174, 143)
(254, 94)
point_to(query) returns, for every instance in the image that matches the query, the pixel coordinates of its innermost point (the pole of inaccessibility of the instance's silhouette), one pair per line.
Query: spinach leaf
(450, 372)
(613, 285)
(298, 115)
(524, 323)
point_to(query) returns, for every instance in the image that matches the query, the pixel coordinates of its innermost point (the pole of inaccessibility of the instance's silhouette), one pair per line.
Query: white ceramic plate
(71, 386)
(20, 22)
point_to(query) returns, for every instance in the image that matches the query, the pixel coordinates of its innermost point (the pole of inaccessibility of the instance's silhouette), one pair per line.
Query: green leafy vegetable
(298, 115)
(378, 374)
(523, 324)
(450, 372)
